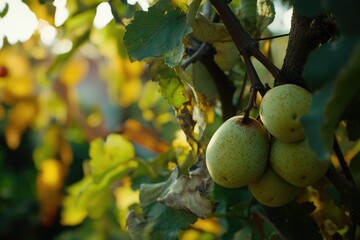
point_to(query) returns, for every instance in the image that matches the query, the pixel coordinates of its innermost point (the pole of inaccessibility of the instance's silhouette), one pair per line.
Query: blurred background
(66, 83)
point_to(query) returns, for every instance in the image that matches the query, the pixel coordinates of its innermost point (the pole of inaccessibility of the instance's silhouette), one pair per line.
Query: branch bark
(225, 88)
(306, 34)
(246, 45)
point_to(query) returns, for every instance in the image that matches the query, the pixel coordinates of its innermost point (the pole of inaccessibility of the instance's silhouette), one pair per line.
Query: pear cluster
(271, 155)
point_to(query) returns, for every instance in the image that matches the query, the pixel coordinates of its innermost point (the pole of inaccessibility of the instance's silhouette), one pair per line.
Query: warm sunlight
(18, 24)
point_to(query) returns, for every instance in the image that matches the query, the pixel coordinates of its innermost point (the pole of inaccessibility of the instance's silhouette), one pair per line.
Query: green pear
(281, 109)
(237, 152)
(273, 191)
(296, 162)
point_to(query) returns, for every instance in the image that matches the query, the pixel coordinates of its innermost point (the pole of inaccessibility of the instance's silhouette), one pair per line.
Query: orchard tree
(271, 150)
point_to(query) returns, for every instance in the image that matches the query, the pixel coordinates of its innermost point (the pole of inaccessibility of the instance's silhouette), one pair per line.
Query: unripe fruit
(273, 191)
(281, 109)
(237, 152)
(296, 162)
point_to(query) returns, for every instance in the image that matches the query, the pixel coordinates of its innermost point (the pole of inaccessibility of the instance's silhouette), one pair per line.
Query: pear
(281, 109)
(237, 152)
(273, 191)
(296, 162)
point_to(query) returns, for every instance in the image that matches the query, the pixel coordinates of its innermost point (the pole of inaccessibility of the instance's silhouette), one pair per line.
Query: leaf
(171, 86)
(111, 161)
(344, 12)
(318, 72)
(329, 104)
(244, 234)
(152, 225)
(111, 157)
(187, 194)
(208, 31)
(157, 33)
(309, 7)
(248, 13)
(193, 9)
(84, 198)
(265, 14)
(227, 55)
(4, 11)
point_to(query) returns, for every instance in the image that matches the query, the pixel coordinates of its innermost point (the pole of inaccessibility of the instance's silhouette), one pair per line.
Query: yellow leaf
(71, 214)
(12, 137)
(129, 91)
(74, 71)
(210, 225)
(18, 81)
(48, 185)
(132, 69)
(51, 173)
(125, 197)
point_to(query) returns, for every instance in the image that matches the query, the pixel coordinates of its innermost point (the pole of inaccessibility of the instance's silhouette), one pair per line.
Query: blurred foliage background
(77, 118)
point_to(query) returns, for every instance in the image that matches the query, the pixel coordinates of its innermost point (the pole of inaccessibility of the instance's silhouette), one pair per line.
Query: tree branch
(225, 88)
(342, 161)
(246, 45)
(306, 34)
(349, 194)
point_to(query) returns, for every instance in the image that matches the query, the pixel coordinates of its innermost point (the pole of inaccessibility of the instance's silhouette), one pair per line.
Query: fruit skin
(281, 109)
(237, 152)
(273, 191)
(296, 162)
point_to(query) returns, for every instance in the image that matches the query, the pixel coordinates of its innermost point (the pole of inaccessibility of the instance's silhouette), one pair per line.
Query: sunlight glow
(103, 15)
(61, 13)
(282, 21)
(143, 4)
(47, 33)
(19, 18)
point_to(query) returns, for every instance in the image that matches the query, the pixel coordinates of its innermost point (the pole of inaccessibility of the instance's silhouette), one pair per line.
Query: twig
(116, 16)
(242, 91)
(349, 194)
(272, 37)
(246, 45)
(204, 47)
(251, 104)
(342, 161)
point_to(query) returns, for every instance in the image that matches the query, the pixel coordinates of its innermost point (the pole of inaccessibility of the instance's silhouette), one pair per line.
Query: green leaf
(111, 157)
(244, 234)
(160, 221)
(256, 15)
(4, 11)
(227, 55)
(193, 9)
(265, 14)
(248, 13)
(344, 12)
(111, 161)
(202, 80)
(318, 72)
(311, 8)
(85, 198)
(208, 31)
(329, 104)
(171, 86)
(157, 33)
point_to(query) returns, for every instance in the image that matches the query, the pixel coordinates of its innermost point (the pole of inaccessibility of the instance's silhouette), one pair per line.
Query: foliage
(103, 130)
